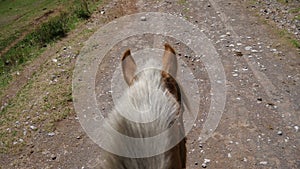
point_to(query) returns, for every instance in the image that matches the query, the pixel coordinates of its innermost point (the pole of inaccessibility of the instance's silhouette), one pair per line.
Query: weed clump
(82, 10)
(52, 30)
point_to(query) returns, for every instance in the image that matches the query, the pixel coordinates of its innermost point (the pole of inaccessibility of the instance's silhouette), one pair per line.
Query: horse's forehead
(159, 79)
(151, 73)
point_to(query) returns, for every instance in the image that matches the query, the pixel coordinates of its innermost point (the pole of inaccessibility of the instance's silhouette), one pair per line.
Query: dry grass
(46, 99)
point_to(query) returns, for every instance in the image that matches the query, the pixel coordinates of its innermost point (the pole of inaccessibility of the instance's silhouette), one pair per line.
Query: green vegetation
(32, 44)
(295, 10)
(182, 2)
(283, 34)
(283, 1)
(296, 13)
(286, 35)
(295, 42)
(19, 16)
(39, 105)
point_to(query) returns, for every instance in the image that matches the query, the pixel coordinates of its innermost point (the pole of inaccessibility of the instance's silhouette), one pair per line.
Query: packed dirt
(259, 127)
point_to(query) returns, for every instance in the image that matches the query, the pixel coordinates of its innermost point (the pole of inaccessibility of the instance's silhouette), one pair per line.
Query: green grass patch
(182, 2)
(294, 10)
(48, 32)
(282, 1)
(297, 17)
(18, 16)
(286, 35)
(39, 104)
(5, 42)
(295, 43)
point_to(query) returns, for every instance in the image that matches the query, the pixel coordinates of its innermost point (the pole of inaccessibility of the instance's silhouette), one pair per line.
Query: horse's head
(168, 72)
(149, 107)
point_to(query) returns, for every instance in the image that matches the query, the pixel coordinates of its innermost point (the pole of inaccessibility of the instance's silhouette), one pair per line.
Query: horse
(153, 97)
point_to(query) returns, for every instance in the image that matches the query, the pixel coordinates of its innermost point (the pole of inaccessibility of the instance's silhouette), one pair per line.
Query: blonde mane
(146, 109)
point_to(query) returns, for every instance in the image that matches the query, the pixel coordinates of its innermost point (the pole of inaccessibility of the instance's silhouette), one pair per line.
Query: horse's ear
(169, 60)
(128, 67)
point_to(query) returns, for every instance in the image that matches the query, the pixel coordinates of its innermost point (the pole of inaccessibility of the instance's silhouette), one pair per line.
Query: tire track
(269, 88)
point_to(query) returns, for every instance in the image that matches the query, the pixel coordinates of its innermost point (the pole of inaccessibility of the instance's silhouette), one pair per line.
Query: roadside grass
(47, 97)
(45, 100)
(17, 16)
(295, 43)
(297, 17)
(182, 2)
(295, 10)
(48, 32)
(296, 13)
(285, 36)
(283, 1)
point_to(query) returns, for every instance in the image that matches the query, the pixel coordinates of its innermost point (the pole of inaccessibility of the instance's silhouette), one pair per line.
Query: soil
(260, 122)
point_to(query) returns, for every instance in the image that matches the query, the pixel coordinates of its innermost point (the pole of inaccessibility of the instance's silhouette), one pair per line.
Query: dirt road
(259, 127)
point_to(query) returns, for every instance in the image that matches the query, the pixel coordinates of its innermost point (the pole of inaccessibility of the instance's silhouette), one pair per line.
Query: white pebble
(263, 162)
(206, 160)
(229, 155)
(245, 68)
(248, 48)
(143, 18)
(273, 50)
(33, 127)
(296, 128)
(51, 134)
